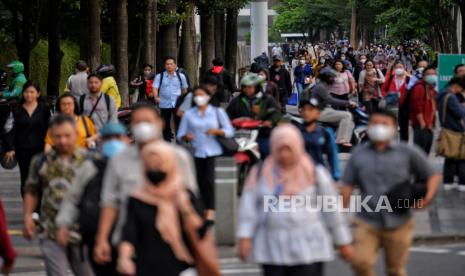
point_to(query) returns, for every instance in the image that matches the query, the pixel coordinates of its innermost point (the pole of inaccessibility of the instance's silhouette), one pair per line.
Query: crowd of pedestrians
(105, 198)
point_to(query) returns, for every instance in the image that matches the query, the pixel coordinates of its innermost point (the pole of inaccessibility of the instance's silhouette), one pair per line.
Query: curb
(457, 237)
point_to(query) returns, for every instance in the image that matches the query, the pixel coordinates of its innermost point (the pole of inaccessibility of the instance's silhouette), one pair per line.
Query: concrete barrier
(226, 201)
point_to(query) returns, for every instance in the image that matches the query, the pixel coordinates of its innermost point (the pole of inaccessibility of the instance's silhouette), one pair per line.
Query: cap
(312, 101)
(112, 129)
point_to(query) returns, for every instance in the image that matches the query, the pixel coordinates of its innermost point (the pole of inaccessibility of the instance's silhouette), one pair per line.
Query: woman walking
(162, 221)
(344, 84)
(29, 122)
(87, 135)
(201, 126)
(296, 242)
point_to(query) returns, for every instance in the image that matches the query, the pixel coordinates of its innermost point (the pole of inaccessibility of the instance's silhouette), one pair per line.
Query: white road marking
(430, 250)
(240, 270)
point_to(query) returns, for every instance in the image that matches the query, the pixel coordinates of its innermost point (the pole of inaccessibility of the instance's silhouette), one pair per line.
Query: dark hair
(422, 60)
(398, 62)
(264, 70)
(147, 65)
(93, 75)
(67, 95)
(145, 106)
(457, 80)
(341, 62)
(210, 80)
(81, 65)
(201, 87)
(456, 68)
(28, 84)
(218, 62)
(169, 58)
(430, 67)
(370, 60)
(386, 113)
(61, 119)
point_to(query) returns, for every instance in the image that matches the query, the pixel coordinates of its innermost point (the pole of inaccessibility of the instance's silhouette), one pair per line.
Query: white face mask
(380, 133)
(302, 62)
(145, 132)
(201, 100)
(399, 71)
(363, 60)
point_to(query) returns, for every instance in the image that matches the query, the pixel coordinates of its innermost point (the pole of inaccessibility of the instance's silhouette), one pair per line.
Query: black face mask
(156, 177)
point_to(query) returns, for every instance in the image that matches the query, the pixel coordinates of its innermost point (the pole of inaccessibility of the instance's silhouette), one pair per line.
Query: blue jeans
(300, 87)
(264, 146)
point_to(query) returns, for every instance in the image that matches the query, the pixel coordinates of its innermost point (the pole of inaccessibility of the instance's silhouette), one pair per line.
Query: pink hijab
(294, 178)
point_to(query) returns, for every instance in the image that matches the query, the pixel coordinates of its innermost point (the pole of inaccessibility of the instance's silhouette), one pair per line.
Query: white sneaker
(450, 186)
(461, 188)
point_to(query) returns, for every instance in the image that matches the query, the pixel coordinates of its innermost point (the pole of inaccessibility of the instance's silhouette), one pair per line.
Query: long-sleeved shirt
(322, 141)
(102, 114)
(321, 92)
(455, 112)
(16, 87)
(193, 122)
(28, 132)
(170, 88)
(422, 101)
(283, 79)
(299, 237)
(110, 88)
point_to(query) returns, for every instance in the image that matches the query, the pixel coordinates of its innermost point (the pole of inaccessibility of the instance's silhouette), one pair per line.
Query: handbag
(406, 192)
(294, 99)
(450, 144)
(229, 145)
(204, 253)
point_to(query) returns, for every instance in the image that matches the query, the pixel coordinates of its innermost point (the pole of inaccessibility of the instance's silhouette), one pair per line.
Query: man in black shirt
(282, 78)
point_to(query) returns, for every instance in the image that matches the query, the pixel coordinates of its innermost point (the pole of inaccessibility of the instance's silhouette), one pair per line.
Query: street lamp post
(259, 27)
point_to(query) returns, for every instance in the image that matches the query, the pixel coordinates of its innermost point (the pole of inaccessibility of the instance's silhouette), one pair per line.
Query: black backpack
(82, 99)
(89, 204)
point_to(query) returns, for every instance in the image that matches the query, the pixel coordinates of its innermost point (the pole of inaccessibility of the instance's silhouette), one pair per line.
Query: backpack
(178, 74)
(89, 204)
(404, 110)
(184, 72)
(83, 97)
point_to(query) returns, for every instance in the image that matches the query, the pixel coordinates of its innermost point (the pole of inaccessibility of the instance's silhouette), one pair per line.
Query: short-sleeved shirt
(170, 88)
(341, 84)
(83, 134)
(377, 172)
(52, 176)
(77, 84)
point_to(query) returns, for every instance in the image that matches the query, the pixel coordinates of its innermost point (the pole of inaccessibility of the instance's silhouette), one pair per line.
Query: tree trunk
(207, 30)
(112, 9)
(94, 34)
(462, 13)
(54, 52)
(231, 41)
(188, 42)
(149, 33)
(219, 34)
(169, 47)
(121, 65)
(84, 27)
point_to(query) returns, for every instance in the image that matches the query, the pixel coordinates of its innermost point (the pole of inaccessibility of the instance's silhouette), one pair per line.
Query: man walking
(282, 78)
(51, 175)
(383, 169)
(77, 83)
(100, 107)
(167, 88)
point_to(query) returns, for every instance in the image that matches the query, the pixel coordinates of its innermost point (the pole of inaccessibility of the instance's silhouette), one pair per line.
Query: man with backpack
(81, 203)
(282, 78)
(223, 79)
(422, 109)
(100, 107)
(168, 86)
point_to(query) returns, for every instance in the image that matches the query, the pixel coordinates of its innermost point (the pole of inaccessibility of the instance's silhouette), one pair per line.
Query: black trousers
(423, 138)
(168, 114)
(315, 269)
(24, 158)
(453, 167)
(206, 180)
(371, 106)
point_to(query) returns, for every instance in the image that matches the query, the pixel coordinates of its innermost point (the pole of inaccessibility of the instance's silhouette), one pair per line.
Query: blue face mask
(112, 148)
(431, 79)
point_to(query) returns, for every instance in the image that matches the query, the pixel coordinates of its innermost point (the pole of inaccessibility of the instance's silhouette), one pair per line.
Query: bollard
(226, 201)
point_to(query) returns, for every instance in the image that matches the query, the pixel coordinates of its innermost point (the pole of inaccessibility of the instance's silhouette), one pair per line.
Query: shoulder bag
(450, 144)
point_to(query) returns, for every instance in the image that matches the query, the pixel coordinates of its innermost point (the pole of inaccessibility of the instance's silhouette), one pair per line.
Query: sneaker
(461, 187)
(450, 186)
